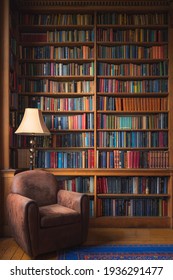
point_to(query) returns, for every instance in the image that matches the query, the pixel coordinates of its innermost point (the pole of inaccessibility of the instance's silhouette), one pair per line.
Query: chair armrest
(78, 202)
(73, 200)
(23, 217)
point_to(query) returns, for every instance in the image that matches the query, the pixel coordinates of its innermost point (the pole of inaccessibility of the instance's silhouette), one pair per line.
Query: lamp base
(32, 153)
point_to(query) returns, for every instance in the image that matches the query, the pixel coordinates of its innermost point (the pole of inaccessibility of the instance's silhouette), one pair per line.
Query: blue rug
(118, 252)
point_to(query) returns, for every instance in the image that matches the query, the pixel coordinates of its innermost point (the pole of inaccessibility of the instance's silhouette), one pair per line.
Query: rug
(118, 252)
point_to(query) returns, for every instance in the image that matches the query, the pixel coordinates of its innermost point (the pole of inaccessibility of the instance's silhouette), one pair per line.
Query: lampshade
(32, 123)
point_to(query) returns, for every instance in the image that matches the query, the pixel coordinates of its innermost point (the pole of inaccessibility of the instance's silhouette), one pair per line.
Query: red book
(34, 37)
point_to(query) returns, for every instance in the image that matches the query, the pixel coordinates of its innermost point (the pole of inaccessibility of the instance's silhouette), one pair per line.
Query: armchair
(44, 218)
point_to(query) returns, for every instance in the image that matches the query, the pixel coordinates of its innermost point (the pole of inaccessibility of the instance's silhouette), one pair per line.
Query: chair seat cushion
(57, 215)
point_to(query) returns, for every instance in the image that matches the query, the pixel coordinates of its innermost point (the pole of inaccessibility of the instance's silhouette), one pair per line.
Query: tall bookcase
(101, 76)
(13, 80)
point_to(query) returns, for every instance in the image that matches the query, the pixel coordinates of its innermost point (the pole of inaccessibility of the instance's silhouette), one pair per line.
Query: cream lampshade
(32, 125)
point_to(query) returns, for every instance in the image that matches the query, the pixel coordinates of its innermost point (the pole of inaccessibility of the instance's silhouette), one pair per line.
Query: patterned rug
(118, 252)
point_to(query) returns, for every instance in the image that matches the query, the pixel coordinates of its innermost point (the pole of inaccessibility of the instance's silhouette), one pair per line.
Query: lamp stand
(33, 125)
(32, 153)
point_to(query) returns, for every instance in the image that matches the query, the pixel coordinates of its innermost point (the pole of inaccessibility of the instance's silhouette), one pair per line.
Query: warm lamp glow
(32, 124)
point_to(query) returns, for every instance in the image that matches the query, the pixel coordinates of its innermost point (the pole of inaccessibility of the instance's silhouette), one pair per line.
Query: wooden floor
(9, 250)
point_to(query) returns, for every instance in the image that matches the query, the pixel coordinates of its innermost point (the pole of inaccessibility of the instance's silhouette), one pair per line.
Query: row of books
(104, 85)
(13, 98)
(87, 52)
(56, 19)
(12, 136)
(12, 60)
(136, 86)
(115, 185)
(132, 139)
(22, 142)
(132, 159)
(130, 51)
(84, 103)
(105, 159)
(106, 69)
(13, 45)
(152, 121)
(119, 18)
(26, 101)
(12, 21)
(152, 18)
(13, 119)
(134, 35)
(66, 159)
(77, 121)
(104, 139)
(77, 139)
(56, 69)
(131, 69)
(77, 184)
(13, 80)
(52, 86)
(57, 104)
(133, 207)
(59, 36)
(132, 185)
(105, 103)
(52, 52)
(129, 104)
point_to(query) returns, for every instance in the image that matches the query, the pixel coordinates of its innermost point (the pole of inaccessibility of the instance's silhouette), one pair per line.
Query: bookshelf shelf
(56, 94)
(65, 60)
(126, 43)
(133, 195)
(55, 44)
(70, 77)
(116, 65)
(132, 148)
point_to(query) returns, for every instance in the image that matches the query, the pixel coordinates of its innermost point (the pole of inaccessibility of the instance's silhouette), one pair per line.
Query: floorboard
(9, 249)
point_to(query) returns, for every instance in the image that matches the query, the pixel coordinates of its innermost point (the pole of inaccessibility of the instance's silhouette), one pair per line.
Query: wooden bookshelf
(13, 82)
(103, 82)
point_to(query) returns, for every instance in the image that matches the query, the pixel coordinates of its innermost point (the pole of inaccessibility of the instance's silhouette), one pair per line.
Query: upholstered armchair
(44, 218)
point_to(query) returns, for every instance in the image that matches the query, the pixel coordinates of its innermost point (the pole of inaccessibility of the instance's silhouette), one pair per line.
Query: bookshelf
(103, 82)
(13, 81)
(62, 85)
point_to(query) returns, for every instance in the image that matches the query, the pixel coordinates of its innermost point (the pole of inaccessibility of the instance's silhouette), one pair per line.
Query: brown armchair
(44, 218)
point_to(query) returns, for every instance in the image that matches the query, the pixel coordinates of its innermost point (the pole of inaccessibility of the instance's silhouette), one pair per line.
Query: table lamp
(32, 125)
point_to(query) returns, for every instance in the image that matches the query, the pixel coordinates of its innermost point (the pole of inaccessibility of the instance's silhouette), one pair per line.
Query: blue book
(64, 160)
(60, 159)
(111, 163)
(47, 159)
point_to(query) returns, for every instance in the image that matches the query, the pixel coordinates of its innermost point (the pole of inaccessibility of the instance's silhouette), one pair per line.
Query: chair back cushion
(38, 185)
